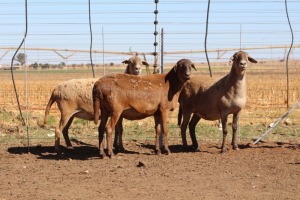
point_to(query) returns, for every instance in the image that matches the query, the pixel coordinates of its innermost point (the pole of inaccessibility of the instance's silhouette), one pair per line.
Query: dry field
(267, 85)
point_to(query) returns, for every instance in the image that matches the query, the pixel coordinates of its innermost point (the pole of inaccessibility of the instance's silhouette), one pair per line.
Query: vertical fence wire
(103, 51)
(162, 50)
(287, 56)
(26, 98)
(12, 63)
(91, 40)
(205, 40)
(155, 37)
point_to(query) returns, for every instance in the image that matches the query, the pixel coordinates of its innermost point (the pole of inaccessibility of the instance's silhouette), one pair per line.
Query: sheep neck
(175, 84)
(236, 82)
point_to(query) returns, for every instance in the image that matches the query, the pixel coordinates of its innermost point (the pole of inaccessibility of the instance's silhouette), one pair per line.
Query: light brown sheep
(74, 99)
(215, 100)
(138, 97)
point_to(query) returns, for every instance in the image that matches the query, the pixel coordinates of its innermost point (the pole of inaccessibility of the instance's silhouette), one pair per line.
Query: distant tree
(45, 66)
(111, 64)
(62, 64)
(34, 65)
(53, 66)
(21, 58)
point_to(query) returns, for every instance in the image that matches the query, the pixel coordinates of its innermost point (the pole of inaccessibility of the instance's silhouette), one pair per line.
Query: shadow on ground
(84, 151)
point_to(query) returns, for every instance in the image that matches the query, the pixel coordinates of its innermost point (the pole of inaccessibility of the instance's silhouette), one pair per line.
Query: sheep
(215, 100)
(74, 99)
(138, 97)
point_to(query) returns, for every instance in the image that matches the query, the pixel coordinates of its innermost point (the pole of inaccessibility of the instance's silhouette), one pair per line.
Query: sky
(124, 26)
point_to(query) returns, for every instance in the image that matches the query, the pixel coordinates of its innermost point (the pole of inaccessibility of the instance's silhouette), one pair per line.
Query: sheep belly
(84, 115)
(133, 114)
(209, 115)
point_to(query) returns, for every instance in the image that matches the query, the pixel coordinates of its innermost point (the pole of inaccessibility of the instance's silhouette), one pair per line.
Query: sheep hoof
(101, 154)
(119, 149)
(57, 150)
(110, 154)
(158, 152)
(195, 148)
(223, 150)
(70, 148)
(236, 148)
(168, 152)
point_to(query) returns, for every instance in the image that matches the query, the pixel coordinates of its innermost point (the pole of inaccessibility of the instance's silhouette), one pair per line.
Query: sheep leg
(235, 120)
(157, 122)
(224, 128)
(58, 129)
(192, 126)
(118, 141)
(57, 140)
(165, 132)
(66, 133)
(101, 130)
(109, 129)
(185, 121)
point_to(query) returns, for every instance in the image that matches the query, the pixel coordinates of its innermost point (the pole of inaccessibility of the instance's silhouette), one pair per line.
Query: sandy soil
(263, 171)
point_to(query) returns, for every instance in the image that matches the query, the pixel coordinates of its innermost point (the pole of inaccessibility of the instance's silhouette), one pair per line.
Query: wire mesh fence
(59, 38)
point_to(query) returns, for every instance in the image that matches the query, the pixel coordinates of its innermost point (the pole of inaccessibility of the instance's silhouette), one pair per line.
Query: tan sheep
(138, 97)
(215, 100)
(74, 99)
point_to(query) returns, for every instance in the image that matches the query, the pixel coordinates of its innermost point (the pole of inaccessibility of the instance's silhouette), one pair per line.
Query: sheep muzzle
(187, 77)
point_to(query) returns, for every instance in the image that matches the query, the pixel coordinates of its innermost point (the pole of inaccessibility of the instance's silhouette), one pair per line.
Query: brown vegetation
(266, 87)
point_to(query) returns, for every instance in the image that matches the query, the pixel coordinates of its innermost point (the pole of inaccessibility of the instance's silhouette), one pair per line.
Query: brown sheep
(74, 99)
(215, 100)
(135, 97)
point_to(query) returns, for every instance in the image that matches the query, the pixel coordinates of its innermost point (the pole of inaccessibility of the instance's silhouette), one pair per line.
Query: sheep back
(76, 89)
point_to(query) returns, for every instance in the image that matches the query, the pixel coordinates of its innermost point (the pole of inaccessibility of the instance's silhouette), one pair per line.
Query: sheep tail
(96, 104)
(179, 115)
(50, 102)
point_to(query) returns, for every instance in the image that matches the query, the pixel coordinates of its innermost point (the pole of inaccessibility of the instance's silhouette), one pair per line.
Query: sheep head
(240, 61)
(183, 69)
(134, 65)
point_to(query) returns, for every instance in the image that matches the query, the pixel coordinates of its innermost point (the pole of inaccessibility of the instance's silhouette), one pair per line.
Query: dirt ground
(263, 171)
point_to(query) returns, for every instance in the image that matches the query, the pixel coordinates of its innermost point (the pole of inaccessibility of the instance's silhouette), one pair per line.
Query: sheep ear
(126, 62)
(234, 56)
(193, 66)
(252, 59)
(145, 63)
(175, 68)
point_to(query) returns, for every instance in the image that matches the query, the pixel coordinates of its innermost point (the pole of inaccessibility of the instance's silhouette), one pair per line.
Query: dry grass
(267, 85)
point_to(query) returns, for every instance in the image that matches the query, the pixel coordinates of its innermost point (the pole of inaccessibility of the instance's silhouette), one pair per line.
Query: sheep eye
(238, 59)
